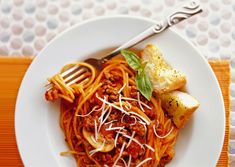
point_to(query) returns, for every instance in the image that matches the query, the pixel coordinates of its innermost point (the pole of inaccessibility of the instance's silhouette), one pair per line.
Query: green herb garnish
(142, 80)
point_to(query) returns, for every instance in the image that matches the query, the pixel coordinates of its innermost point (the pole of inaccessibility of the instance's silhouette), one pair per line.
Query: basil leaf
(144, 84)
(132, 59)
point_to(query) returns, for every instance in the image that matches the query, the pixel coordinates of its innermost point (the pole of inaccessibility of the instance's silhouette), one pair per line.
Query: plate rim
(95, 19)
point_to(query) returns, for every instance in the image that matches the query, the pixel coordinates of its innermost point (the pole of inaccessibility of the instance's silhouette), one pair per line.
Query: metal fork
(78, 74)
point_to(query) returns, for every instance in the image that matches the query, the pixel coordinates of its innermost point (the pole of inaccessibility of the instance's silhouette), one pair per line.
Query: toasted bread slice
(163, 77)
(179, 106)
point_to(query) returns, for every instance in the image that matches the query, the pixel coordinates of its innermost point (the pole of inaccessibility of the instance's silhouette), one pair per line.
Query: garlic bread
(179, 106)
(163, 77)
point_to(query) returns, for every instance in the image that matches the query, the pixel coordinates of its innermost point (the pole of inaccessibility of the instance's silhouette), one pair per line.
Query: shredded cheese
(120, 154)
(115, 128)
(144, 124)
(106, 117)
(129, 105)
(129, 137)
(130, 140)
(103, 105)
(123, 162)
(111, 122)
(93, 109)
(120, 90)
(111, 104)
(93, 139)
(122, 118)
(161, 137)
(104, 110)
(144, 161)
(134, 121)
(149, 147)
(132, 99)
(92, 152)
(146, 121)
(115, 140)
(102, 120)
(129, 161)
(120, 100)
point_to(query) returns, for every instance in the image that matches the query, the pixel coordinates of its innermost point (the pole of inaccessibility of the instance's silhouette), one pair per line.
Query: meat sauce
(109, 90)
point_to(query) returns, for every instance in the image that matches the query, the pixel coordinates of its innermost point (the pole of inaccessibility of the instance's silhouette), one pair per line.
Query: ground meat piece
(108, 82)
(103, 158)
(164, 160)
(109, 136)
(151, 113)
(138, 128)
(135, 150)
(92, 100)
(110, 90)
(114, 115)
(52, 95)
(113, 98)
(121, 140)
(112, 77)
(84, 160)
(88, 122)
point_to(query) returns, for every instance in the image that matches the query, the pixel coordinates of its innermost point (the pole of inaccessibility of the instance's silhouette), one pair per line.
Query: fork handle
(188, 10)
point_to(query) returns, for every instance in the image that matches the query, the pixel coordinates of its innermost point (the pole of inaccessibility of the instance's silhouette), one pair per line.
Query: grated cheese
(103, 105)
(92, 152)
(122, 118)
(110, 122)
(130, 140)
(120, 90)
(129, 161)
(149, 147)
(146, 121)
(134, 119)
(129, 137)
(120, 100)
(93, 109)
(120, 154)
(123, 162)
(132, 99)
(161, 137)
(104, 110)
(129, 105)
(144, 124)
(111, 104)
(106, 117)
(115, 140)
(144, 161)
(93, 139)
(115, 128)
(132, 116)
(102, 120)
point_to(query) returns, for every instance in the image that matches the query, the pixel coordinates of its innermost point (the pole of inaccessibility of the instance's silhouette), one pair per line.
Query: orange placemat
(11, 72)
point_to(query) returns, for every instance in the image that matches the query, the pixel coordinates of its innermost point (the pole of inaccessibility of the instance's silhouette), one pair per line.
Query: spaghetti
(107, 122)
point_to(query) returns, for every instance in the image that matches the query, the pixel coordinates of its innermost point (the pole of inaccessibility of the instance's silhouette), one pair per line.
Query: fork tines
(76, 74)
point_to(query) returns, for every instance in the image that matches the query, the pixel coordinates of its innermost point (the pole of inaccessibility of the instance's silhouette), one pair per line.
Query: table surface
(26, 26)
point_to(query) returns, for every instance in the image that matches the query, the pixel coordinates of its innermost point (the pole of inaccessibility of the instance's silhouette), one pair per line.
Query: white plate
(39, 137)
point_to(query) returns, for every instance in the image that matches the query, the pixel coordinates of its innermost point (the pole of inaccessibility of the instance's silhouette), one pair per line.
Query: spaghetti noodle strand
(130, 132)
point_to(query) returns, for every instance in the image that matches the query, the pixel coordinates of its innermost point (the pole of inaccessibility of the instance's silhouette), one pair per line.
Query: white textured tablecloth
(26, 26)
